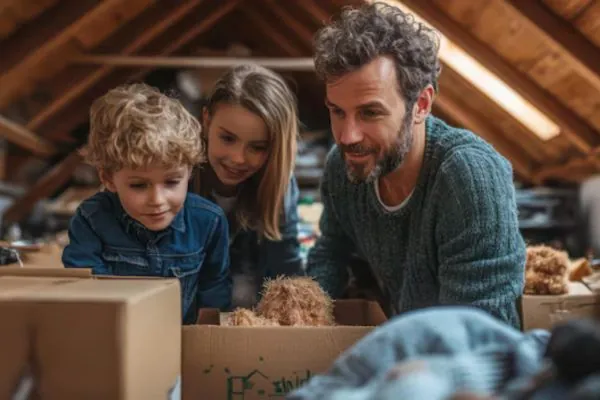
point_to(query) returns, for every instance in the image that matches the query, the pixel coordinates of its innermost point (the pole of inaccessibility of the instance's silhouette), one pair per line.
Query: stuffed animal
(546, 271)
(288, 301)
(245, 317)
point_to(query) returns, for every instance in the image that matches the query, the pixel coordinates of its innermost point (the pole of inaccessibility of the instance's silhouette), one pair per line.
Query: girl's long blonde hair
(263, 92)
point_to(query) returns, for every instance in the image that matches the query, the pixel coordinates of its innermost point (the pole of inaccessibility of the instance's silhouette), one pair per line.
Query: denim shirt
(194, 248)
(266, 258)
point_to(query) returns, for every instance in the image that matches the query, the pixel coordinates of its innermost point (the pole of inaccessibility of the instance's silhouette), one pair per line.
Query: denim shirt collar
(134, 227)
(178, 222)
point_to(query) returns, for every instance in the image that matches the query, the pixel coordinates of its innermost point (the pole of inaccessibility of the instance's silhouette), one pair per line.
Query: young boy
(144, 146)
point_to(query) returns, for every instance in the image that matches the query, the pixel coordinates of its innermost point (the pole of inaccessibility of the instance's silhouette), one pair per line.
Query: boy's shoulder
(200, 205)
(103, 202)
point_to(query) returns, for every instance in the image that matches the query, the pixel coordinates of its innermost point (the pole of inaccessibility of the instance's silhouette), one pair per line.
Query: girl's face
(238, 143)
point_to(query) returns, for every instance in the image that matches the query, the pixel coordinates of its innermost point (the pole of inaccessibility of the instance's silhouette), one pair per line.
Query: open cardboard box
(544, 311)
(229, 362)
(77, 336)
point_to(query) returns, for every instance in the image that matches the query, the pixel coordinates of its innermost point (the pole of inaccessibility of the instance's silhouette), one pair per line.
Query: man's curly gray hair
(362, 34)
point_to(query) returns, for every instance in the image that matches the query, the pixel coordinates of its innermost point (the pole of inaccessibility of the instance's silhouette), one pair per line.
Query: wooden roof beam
(278, 38)
(160, 23)
(559, 34)
(16, 13)
(204, 25)
(305, 34)
(579, 133)
(282, 63)
(44, 187)
(55, 31)
(592, 159)
(316, 11)
(477, 124)
(22, 137)
(65, 120)
(34, 35)
(574, 171)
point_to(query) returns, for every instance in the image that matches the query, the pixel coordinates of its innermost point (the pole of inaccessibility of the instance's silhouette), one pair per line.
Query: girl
(250, 128)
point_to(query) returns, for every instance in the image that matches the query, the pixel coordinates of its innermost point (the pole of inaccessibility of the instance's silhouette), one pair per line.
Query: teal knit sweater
(455, 241)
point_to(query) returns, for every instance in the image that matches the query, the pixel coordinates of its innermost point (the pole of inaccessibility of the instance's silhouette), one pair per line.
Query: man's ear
(107, 180)
(423, 105)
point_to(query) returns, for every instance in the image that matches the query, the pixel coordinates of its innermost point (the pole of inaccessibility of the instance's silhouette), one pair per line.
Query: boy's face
(152, 195)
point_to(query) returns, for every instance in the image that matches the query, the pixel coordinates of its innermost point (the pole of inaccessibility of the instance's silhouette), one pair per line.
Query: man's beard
(388, 162)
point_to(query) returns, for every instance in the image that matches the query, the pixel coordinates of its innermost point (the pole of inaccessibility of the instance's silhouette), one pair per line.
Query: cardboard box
(47, 272)
(544, 311)
(90, 338)
(14, 330)
(228, 362)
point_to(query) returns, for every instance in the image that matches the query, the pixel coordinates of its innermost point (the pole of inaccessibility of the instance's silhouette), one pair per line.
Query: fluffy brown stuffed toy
(546, 271)
(245, 317)
(288, 301)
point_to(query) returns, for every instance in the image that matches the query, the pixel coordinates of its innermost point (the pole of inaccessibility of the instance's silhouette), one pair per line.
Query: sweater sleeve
(480, 250)
(328, 260)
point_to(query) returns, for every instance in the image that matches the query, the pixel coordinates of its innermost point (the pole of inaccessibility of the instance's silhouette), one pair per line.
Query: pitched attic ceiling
(545, 50)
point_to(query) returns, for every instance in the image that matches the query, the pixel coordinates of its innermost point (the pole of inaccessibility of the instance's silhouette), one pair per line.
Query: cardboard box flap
(9, 285)
(48, 272)
(92, 290)
(358, 313)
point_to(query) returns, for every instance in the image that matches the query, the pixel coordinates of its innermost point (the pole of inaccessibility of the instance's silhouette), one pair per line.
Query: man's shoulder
(458, 149)
(200, 207)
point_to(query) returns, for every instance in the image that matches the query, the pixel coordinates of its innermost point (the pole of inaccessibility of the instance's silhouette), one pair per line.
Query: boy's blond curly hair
(135, 125)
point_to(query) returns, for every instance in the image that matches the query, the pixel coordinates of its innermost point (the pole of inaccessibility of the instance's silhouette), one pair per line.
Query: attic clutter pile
(288, 301)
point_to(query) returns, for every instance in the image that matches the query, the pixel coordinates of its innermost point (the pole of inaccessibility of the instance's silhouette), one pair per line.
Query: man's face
(369, 121)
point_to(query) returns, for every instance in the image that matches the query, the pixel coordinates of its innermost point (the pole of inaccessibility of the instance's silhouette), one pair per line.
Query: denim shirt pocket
(126, 262)
(185, 267)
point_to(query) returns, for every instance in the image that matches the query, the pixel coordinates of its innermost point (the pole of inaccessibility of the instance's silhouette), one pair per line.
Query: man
(430, 207)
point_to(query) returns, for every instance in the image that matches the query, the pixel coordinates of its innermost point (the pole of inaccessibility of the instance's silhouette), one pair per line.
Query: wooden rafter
(44, 187)
(562, 170)
(34, 37)
(166, 44)
(293, 64)
(286, 18)
(207, 22)
(160, 21)
(277, 37)
(15, 13)
(22, 137)
(471, 120)
(582, 54)
(20, 77)
(315, 10)
(579, 133)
